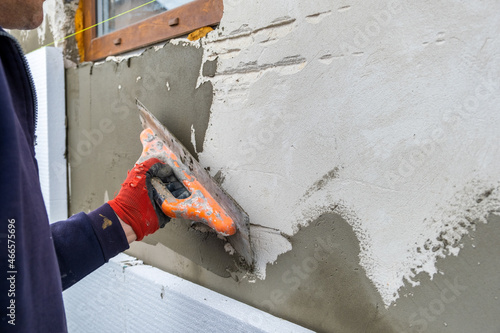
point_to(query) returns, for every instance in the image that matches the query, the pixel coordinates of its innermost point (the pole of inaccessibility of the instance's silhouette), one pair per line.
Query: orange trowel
(207, 202)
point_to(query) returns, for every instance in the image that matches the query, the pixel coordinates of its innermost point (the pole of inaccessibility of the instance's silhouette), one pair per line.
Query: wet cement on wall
(103, 121)
(320, 284)
(464, 295)
(104, 128)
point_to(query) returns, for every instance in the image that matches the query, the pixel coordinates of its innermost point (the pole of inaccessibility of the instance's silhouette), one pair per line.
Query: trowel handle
(200, 206)
(161, 194)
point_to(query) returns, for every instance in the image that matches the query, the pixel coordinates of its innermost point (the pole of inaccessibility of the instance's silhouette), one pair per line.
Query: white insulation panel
(127, 296)
(47, 67)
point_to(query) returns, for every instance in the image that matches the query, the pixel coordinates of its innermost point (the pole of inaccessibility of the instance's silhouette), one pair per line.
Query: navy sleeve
(30, 284)
(86, 241)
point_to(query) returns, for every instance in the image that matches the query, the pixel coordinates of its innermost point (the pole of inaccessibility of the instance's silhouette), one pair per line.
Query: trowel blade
(240, 241)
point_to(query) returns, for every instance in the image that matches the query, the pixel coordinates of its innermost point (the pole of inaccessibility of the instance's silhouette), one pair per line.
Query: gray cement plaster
(202, 248)
(464, 296)
(104, 128)
(320, 284)
(103, 121)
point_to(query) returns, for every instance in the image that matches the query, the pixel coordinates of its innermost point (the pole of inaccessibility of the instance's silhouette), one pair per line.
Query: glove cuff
(126, 217)
(133, 204)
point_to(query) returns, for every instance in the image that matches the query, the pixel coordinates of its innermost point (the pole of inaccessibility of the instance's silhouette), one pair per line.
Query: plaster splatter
(193, 138)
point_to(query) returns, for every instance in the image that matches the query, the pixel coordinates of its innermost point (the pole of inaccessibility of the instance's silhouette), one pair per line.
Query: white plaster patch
(193, 138)
(268, 244)
(412, 126)
(229, 249)
(185, 42)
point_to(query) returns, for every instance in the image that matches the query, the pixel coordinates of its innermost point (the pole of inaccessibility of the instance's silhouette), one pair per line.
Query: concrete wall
(360, 138)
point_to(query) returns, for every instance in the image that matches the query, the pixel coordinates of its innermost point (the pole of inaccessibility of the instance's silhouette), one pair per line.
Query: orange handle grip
(199, 206)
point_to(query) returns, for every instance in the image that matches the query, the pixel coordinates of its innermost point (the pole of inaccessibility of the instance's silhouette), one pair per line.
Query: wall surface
(361, 138)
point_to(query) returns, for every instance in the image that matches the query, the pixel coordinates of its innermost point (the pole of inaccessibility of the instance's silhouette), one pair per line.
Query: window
(152, 23)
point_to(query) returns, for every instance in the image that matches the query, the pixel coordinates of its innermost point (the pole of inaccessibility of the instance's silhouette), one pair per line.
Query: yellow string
(95, 25)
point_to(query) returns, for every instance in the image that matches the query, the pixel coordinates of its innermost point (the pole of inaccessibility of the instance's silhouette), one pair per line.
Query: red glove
(134, 203)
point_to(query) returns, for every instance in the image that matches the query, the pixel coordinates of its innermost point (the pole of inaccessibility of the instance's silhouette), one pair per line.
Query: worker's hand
(135, 205)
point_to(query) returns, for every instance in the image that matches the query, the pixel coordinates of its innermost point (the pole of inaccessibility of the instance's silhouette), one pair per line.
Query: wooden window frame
(169, 24)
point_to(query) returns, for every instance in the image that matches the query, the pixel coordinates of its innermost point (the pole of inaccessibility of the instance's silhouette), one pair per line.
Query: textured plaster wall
(385, 113)
(361, 138)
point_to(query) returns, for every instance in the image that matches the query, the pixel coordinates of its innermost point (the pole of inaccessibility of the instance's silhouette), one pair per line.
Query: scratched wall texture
(384, 113)
(370, 130)
(361, 138)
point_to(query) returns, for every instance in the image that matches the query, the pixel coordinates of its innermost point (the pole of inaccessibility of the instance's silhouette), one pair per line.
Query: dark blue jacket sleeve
(86, 241)
(30, 284)
(37, 260)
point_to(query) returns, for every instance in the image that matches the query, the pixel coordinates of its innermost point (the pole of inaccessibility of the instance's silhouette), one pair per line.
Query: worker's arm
(86, 241)
(129, 232)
